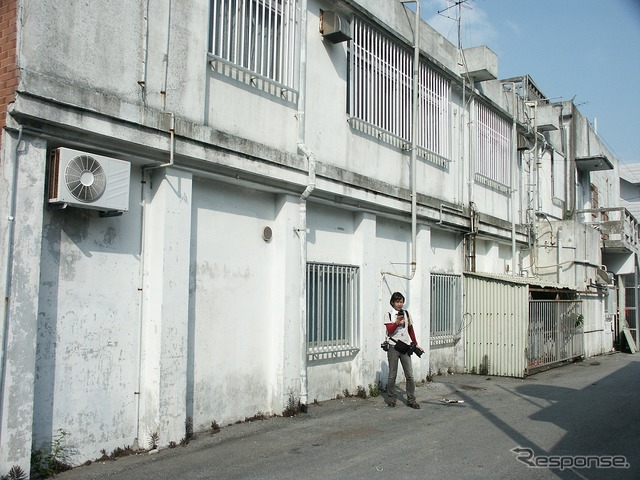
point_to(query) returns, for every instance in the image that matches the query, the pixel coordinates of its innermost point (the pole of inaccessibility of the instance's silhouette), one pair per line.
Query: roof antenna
(459, 4)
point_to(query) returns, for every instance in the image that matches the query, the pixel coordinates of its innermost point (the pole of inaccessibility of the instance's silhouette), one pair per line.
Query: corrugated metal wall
(496, 316)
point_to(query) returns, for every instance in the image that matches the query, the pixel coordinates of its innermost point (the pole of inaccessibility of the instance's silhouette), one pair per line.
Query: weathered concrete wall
(119, 328)
(238, 315)
(24, 173)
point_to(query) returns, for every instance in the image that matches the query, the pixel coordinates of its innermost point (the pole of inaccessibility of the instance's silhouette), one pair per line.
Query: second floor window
(380, 81)
(256, 35)
(557, 175)
(380, 93)
(493, 148)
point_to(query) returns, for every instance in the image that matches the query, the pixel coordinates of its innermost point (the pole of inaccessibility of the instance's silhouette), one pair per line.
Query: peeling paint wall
(88, 329)
(238, 324)
(183, 308)
(24, 241)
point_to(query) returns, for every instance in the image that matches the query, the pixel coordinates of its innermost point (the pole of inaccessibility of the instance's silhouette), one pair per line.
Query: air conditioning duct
(333, 27)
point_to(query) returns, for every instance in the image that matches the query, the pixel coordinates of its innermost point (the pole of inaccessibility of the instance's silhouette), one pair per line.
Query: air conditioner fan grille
(85, 178)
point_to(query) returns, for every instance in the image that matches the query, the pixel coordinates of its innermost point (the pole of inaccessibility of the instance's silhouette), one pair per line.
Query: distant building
(630, 188)
(210, 202)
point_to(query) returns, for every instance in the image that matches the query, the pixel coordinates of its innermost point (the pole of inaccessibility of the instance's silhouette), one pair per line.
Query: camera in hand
(417, 351)
(385, 346)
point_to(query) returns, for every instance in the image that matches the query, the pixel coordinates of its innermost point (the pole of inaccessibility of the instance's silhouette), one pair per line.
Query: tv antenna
(460, 4)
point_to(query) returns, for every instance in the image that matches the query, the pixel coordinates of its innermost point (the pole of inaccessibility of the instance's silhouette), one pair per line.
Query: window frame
(445, 308)
(380, 94)
(558, 176)
(332, 308)
(493, 155)
(256, 42)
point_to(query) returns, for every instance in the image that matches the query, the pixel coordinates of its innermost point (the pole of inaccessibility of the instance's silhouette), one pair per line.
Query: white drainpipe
(11, 219)
(311, 185)
(302, 235)
(414, 144)
(514, 151)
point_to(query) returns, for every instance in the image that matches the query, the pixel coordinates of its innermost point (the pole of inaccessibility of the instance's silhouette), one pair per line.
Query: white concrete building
(630, 188)
(210, 202)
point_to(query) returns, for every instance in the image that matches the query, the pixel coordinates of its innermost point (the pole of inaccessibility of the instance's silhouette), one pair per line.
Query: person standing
(401, 339)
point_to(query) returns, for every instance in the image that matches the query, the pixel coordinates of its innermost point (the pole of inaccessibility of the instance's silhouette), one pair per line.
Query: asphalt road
(583, 419)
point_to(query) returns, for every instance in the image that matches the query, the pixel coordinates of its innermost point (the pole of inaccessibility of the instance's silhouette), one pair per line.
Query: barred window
(445, 307)
(493, 148)
(380, 81)
(333, 293)
(433, 130)
(558, 176)
(380, 84)
(257, 36)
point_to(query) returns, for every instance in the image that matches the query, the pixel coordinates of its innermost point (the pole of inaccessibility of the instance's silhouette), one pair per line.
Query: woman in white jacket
(402, 342)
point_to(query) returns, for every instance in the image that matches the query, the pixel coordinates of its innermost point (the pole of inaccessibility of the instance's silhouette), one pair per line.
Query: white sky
(588, 50)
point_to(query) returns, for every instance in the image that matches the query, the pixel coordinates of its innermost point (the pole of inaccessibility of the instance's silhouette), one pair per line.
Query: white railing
(615, 224)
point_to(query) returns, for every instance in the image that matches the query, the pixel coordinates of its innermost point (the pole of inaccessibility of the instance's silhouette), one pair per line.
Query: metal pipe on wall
(514, 152)
(302, 228)
(414, 145)
(11, 219)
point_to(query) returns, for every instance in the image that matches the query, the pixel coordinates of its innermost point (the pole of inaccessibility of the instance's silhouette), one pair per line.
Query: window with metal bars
(257, 36)
(333, 293)
(445, 307)
(380, 83)
(493, 148)
(558, 175)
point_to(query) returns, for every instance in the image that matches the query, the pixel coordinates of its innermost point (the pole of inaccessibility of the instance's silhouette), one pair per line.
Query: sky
(585, 50)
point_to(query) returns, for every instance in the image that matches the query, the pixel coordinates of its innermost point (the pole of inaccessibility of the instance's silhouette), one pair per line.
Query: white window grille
(493, 148)
(445, 307)
(433, 131)
(333, 293)
(380, 94)
(257, 37)
(380, 81)
(557, 172)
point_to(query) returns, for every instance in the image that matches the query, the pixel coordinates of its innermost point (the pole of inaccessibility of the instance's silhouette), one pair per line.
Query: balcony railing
(620, 230)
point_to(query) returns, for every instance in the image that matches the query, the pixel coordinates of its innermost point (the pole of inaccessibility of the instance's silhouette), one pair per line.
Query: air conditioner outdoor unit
(333, 27)
(87, 180)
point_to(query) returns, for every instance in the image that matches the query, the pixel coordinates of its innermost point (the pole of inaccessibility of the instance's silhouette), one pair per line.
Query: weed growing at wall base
(527, 456)
(374, 390)
(16, 473)
(47, 462)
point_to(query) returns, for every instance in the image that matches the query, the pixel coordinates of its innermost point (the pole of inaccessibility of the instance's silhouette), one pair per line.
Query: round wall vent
(267, 234)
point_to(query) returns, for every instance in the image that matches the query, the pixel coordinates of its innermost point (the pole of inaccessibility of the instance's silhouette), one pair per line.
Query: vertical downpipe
(559, 254)
(311, 183)
(11, 219)
(533, 180)
(144, 204)
(141, 310)
(514, 151)
(302, 234)
(414, 145)
(414, 138)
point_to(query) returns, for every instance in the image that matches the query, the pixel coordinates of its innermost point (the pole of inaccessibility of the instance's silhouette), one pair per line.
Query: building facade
(210, 202)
